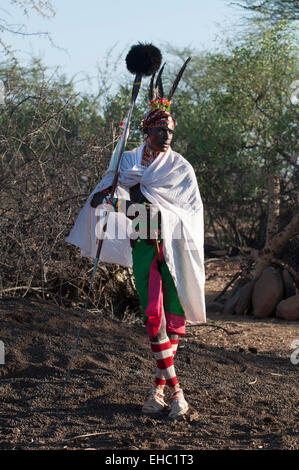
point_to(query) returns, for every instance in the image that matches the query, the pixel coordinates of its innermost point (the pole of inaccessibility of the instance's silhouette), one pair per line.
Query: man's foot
(179, 406)
(155, 402)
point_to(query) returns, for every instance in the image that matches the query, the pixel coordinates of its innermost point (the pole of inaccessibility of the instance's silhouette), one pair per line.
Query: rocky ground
(237, 374)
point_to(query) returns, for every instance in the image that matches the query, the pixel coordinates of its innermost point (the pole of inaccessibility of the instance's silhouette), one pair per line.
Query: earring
(145, 136)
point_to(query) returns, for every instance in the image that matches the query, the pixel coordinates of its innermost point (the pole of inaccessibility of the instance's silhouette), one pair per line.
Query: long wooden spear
(142, 60)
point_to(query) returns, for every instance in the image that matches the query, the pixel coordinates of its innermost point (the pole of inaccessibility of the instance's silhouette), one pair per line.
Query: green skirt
(146, 280)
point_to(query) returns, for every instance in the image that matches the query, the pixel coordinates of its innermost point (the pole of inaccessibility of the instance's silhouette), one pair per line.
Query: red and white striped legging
(164, 346)
(164, 352)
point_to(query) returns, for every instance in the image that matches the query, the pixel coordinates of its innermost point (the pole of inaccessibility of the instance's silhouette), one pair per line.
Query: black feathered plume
(142, 59)
(159, 92)
(177, 80)
(151, 88)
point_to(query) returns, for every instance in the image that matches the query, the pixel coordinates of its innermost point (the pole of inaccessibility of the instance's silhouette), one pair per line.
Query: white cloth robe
(169, 183)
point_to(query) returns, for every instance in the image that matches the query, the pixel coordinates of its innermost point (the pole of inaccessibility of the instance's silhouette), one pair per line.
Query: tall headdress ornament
(156, 94)
(159, 113)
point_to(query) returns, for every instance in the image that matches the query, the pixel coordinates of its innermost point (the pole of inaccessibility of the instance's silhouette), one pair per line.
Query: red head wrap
(158, 118)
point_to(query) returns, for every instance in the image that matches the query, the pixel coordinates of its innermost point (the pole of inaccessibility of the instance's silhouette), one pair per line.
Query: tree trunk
(273, 208)
(276, 245)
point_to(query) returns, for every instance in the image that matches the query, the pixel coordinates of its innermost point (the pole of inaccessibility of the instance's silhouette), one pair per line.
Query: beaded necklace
(149, 156)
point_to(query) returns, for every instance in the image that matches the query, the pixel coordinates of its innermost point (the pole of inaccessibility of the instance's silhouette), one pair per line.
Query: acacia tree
(41, 7)
(237, 125)
(271, 10)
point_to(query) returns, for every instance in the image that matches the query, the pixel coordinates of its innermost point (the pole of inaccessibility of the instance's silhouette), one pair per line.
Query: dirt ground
(236, 372)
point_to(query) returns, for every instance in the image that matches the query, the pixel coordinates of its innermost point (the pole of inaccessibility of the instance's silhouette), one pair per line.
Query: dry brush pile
(49, 165)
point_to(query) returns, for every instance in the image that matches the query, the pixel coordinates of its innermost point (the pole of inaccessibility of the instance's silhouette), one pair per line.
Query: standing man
(167, 257)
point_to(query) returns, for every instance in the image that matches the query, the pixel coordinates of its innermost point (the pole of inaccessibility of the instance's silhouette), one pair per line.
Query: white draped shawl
(169, 183)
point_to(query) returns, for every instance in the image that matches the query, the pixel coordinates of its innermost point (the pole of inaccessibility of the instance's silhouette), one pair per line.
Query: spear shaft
(121, 147)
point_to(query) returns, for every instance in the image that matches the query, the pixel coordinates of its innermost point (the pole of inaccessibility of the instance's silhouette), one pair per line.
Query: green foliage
(272, 11)
(236, 125)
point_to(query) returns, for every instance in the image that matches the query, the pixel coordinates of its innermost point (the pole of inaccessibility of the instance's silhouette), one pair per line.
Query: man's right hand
(97, 199)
